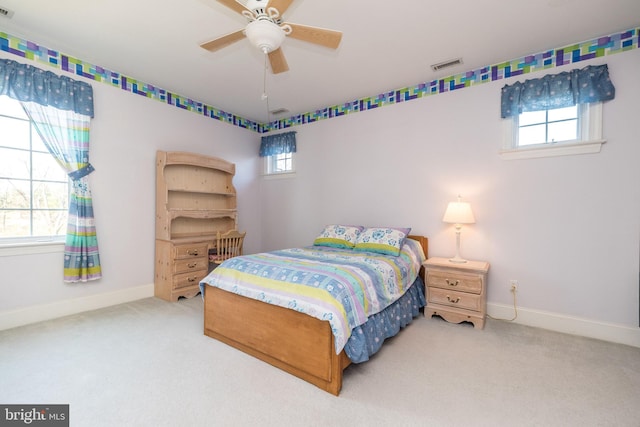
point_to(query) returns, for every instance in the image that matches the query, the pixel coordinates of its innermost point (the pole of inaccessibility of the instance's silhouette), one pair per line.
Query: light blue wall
(565, 227)
(126, 132)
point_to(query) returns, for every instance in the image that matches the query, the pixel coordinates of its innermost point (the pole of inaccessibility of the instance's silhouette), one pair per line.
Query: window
(554, 132)
(34, 188)
(279, 164)
(278, 151)
(556, 115)
(548, 126)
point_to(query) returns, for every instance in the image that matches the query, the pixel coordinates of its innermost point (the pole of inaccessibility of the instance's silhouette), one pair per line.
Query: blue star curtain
(61, 109)
(579, 86)
(278, 144)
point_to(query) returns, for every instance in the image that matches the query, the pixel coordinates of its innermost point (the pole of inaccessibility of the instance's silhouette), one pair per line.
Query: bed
(255, 303)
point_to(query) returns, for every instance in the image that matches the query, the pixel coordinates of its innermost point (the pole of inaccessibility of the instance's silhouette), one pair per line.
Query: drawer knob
(192, 265)
(452, 283)
(192, 279)
(193, 252)
(453, 300)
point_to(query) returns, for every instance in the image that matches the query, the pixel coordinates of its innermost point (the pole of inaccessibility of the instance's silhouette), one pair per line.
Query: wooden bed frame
(294, 342)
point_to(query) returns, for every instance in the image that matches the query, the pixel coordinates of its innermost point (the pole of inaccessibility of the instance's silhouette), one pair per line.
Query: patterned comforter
(341, 286)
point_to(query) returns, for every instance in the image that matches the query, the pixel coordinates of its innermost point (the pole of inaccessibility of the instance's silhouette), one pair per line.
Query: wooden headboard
(424, 242)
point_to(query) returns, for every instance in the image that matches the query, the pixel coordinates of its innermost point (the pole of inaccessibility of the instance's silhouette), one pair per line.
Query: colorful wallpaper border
(601, 46)
(53, 58)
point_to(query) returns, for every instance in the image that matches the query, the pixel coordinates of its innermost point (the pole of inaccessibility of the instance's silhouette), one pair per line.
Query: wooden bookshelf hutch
(195, 199)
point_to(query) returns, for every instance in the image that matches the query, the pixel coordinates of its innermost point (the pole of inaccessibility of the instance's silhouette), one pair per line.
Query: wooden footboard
(292, 341)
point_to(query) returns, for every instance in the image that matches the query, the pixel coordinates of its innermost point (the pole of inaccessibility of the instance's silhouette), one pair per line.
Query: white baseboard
(39, 313)
(611, 332)
(540, 319)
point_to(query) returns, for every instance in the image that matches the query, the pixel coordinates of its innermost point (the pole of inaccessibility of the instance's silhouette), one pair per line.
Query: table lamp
(458, 213)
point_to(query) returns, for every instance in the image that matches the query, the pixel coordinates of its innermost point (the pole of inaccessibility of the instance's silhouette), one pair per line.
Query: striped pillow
(338, 236)
(387, 241)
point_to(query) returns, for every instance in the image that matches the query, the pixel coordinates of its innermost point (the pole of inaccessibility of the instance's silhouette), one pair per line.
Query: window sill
(282, 175)
(30, 248)
(552, 150)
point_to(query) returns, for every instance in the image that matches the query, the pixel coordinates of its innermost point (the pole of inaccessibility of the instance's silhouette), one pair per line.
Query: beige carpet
(147, 363)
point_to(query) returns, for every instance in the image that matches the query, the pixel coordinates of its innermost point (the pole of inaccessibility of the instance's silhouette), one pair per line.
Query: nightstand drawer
(186, 265)
(188, 279)
(454, 299)
(455, 281)
(190, 251)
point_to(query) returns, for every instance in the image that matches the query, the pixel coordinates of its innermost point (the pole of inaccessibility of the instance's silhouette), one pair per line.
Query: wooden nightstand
(457, 291)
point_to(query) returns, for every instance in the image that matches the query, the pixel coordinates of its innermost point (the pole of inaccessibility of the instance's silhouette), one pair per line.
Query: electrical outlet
(513, 285)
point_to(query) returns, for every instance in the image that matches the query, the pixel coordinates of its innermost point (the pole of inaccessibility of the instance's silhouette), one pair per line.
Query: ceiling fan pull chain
(265, 97)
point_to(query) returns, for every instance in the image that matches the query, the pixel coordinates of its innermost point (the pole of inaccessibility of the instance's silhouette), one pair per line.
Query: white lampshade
(459, 213)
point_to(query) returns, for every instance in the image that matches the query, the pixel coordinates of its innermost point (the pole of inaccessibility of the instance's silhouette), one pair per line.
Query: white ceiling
(386, 45)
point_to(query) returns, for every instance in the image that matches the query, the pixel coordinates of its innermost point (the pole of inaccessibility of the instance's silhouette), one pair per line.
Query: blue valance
(590, 84)
(27, 83)
(278, 144)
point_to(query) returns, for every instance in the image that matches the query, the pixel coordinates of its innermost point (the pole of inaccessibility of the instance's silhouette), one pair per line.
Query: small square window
(280, 164)
(555, 132)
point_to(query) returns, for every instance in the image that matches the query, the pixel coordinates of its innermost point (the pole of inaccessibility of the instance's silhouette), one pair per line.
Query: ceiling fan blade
(278, 61)
(281, 5)
(233, 5)
(316, 35)
(223, 41)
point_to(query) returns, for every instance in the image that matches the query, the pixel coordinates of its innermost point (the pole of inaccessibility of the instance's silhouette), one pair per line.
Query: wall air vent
(446, 64)
(6, 13)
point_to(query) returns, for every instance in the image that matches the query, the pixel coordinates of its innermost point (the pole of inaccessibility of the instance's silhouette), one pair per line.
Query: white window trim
(591, 138)
(279, 175)
(30, 247)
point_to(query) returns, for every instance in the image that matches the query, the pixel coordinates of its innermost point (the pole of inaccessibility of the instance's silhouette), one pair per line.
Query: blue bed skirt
(367, 339)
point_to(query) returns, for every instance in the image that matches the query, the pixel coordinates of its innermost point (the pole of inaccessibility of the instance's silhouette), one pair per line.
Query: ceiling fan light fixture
(265, 35)
(267, 30)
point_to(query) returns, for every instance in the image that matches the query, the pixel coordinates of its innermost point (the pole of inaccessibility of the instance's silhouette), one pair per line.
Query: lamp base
(457, 259)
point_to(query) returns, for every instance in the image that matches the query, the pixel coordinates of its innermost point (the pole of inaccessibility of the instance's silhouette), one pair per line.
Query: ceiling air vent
(446, 64)
(279, 111)
(6, 12)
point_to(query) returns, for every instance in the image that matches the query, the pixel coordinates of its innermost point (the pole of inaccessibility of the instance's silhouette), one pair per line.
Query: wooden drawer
(192, 250)
(190, 264)
(188, 279)
(454, 299)
(454, 281)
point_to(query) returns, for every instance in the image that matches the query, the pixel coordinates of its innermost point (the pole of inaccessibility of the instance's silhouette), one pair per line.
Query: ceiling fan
(266, 30)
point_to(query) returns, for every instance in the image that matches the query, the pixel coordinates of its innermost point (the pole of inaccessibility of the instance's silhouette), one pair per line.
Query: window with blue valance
(278, 144)
(61, 109)
(31, 84)
(579, 86)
